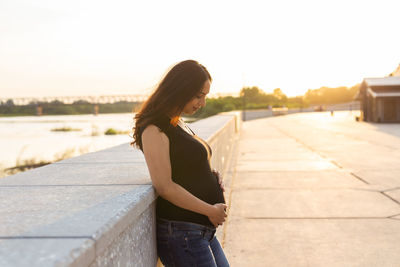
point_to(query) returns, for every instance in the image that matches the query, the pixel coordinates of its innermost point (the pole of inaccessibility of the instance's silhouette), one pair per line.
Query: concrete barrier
(253, 114)
(248, 115)
(97, 209)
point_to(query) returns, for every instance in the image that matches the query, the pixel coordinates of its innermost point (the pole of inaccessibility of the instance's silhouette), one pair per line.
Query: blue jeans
(185, 244)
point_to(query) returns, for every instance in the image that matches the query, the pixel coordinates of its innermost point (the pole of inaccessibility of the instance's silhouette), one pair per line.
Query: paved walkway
(310, 189)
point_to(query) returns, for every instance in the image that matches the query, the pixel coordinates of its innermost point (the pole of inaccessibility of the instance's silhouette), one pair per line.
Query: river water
(30, 137)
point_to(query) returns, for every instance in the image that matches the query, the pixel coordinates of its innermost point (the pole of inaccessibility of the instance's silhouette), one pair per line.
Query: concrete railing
(248, 115)
(253, 114)
(97, 209)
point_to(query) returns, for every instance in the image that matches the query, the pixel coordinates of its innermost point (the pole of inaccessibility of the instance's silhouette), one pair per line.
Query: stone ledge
(83, 211)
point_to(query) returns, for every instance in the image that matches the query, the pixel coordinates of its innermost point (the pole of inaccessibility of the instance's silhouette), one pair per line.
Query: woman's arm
(156, 151)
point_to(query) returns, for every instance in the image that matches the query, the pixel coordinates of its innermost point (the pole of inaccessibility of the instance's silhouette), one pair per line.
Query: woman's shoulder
(159, 124)
(162, 123)
(153, 136)
(151, 129)
(155, 129)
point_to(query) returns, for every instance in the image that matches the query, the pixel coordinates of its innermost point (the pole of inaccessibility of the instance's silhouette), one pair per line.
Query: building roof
(385, 81)
(379, 87)
(383, 94)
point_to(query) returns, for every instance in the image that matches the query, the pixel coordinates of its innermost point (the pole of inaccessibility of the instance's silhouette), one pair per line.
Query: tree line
(59, 108)
(249, 98)
(256, 98)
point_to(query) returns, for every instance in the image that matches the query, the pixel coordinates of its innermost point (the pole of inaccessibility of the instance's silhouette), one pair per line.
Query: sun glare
(94, 47)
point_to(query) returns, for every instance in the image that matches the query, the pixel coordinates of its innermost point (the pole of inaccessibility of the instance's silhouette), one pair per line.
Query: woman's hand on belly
(217, 214)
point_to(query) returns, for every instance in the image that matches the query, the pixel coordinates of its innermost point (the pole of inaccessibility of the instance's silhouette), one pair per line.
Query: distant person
(191, 203)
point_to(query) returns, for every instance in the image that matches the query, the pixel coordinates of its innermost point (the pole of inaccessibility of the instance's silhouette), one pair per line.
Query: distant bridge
(102, 99)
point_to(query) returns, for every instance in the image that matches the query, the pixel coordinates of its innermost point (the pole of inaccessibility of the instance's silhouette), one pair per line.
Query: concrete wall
(263, 113)
(97, 209)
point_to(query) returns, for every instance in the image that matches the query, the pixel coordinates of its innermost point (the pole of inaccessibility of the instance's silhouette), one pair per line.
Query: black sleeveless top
(190, 166)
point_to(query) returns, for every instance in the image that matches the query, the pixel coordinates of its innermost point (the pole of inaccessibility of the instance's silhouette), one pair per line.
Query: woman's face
(198, 100)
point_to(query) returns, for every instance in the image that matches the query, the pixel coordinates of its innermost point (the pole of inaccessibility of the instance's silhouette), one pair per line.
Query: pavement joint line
(317, 218)
(359, 178)
(367, 189)
(278, 160)
(343, 172)
(337, 164)
(334, 162)
(307, 171)
(63, 185)
(308, 188)
(358, 139)
(317, 152)
(378, 169)
(301, 142)
(383, 193)
(391, 189)
(256, 171)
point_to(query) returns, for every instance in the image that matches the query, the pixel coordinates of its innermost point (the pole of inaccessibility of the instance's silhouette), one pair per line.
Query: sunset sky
(92, 47)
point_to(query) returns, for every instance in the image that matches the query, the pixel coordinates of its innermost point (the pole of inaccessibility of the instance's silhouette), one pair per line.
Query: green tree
(252, 94)
(9, 103)
(280, 95)
(327, 95)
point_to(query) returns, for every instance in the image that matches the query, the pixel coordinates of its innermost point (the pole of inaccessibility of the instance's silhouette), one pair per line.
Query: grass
(111, 131)
(25, 165)
(32, 163)
(65, 129)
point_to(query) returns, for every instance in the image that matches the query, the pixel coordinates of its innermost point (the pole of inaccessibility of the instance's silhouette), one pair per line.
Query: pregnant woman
(191, 204)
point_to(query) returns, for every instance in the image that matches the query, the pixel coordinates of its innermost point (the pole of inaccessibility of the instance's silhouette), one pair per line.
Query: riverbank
(29, 140)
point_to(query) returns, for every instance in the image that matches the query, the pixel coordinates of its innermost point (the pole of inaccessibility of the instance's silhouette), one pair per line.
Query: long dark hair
(181, 83)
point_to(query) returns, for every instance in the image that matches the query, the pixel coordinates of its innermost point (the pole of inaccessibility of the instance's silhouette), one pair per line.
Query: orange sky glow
(88, 47)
